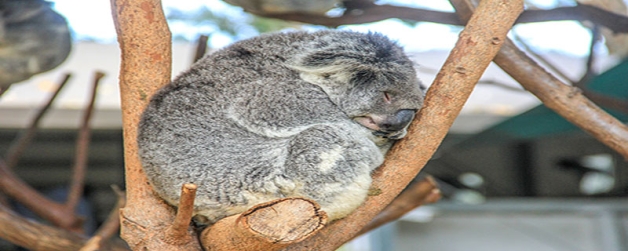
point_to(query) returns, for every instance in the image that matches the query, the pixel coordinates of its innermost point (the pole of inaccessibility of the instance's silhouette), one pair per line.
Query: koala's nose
(399, 121)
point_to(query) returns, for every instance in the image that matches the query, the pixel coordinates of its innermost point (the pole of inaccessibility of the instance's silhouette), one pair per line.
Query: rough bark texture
(476, 47)
(268, 226)
(145, 43)
(566, 100)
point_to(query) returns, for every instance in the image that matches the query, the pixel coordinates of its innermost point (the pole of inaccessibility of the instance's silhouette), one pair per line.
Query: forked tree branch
(62, 215)
(49, 210)
(568, 101)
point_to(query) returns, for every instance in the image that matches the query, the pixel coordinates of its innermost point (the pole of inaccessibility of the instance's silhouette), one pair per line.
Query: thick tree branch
(268, 226)
(476, 47)
(566, 100)
(21, 142)
(368, 12)
(145, 44)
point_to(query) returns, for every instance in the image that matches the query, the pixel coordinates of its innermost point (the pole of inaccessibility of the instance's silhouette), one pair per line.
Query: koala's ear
(322, 67)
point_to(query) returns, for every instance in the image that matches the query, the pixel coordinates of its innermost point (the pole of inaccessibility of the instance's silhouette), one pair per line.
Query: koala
(294, 114)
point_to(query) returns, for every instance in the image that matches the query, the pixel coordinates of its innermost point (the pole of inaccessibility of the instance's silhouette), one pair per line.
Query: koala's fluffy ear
(335, 73)
(322, 67)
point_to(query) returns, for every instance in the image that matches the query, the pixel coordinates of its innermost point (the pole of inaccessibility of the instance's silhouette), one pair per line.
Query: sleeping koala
(295, 114)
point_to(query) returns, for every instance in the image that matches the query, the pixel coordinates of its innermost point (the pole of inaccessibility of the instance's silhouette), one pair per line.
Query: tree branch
(179, 231)
(568, 101)
(581, 12)
(49, 210)
(82, 148)
(369, 12)
(268, 226)
(21, 142)
(145, 44)
(109, 228)
(478, 43)
(420, 193)
(38, 237)
(201, 47)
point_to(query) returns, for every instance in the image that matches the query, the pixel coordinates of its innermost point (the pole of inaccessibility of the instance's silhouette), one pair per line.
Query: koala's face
(369, 78)
(384, 102)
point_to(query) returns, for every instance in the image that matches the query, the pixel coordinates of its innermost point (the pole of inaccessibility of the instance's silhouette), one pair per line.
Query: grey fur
(280, 115)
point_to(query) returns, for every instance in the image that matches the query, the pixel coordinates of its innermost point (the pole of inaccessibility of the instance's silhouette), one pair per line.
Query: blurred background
(514, 175)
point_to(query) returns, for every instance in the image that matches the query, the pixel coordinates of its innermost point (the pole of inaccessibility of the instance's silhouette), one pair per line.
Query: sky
(92, 19)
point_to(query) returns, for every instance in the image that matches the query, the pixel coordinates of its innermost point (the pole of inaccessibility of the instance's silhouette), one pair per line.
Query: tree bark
(145, 44)
(268, 226)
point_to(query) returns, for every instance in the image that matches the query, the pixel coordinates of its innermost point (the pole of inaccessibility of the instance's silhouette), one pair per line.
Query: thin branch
(3, 90)
(19, 144)
(581, 12)
(201, 47)
(501, 85)
(542, 60)
(40, 237)
(369, 12)
(180, 228)
(420, 193)
(47, 209)
(567, 101)
(476, 47)
(590, 72)
(109, 228)
(82, 148)
(607, 101)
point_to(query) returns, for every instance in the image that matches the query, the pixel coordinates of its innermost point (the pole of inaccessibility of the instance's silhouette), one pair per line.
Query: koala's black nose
(399, 121)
